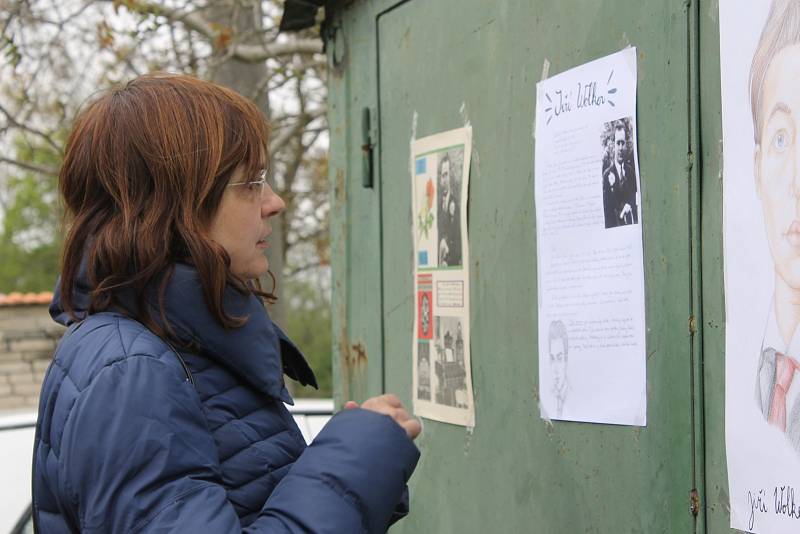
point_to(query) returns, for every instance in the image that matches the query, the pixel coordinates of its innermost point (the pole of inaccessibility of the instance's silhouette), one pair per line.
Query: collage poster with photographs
(442, 379)
(591, 309)
(760, 58)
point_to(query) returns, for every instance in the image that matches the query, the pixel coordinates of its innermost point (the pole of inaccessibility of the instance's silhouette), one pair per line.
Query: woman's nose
(271, 203)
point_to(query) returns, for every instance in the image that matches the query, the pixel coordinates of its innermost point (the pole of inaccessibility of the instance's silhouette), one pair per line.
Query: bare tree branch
(255, 53)
(42, 169)
(243, 52)
(287, 134)
(12, 121)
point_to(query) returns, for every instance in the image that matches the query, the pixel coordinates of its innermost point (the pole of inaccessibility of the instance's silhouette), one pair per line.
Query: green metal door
(425, 66)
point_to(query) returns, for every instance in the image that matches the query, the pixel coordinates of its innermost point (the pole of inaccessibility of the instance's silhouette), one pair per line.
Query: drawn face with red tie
(777, 163)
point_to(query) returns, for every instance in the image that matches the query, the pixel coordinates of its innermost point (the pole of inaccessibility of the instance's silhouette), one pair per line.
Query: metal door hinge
(367, 146)
(694, 502)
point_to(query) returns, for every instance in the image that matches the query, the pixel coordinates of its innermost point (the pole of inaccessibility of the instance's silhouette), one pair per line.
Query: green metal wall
(446, 62)
(716, 501)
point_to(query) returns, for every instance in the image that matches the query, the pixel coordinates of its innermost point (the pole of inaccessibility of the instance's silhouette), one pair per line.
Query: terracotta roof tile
(16, 298)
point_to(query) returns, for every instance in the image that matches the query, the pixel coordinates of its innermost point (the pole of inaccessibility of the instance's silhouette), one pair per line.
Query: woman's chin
(255, 270)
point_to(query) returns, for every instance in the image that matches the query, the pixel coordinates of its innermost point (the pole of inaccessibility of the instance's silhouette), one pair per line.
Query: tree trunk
(245, 78)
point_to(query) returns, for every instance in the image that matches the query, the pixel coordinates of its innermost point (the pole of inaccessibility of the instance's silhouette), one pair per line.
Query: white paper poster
(442, 377)
(589, 245)
(760, 58)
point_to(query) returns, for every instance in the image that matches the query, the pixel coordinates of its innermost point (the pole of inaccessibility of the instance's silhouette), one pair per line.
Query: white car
(16, 448)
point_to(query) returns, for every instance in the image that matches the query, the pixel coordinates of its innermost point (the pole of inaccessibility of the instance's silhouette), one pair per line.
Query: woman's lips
(793, 234)
(262, 243)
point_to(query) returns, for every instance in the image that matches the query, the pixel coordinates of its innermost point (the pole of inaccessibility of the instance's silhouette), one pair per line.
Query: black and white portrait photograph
(448, 206)
(620, 192)
(451, 386)
(424, 370)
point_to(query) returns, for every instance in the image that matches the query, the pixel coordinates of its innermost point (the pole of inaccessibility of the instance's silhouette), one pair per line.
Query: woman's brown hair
(143, 174)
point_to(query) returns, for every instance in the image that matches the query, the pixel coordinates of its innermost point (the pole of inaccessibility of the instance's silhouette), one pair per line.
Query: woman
(162, 410)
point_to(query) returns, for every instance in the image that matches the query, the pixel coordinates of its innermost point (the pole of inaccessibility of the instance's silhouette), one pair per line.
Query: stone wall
(28, 337)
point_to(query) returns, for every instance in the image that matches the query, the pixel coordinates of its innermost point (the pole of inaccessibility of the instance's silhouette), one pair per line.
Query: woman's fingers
(392, 399)
(382, 403)
(390, 404)
(412, 427)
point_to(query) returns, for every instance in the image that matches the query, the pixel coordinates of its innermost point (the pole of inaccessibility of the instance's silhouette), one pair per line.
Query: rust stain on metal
(339, 235)
(360, 357)
(353, 356)
(344, 358)
(694, 502)
(692, 325)
(339, 187)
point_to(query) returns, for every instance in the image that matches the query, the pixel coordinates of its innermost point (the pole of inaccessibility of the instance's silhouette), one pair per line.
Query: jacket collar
(258, 352)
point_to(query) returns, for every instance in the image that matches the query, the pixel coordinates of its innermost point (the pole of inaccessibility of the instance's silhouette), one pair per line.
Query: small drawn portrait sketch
(448, 206)
(774, 101)
(558, 348)
(450, 370)
(620, 192)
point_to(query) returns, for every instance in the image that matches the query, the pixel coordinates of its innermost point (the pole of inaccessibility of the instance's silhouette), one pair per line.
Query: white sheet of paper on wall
(442, 375)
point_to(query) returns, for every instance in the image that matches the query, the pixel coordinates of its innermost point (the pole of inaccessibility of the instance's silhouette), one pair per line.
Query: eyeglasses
(254, 184)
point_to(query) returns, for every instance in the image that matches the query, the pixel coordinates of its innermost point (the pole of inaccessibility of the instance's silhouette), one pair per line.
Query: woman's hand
(390, 405)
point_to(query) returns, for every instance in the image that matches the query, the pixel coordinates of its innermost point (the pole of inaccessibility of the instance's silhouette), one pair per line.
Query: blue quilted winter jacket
(133, 438)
